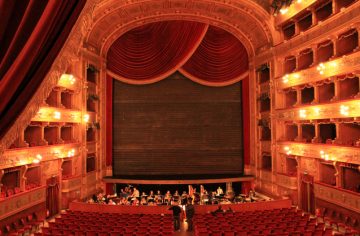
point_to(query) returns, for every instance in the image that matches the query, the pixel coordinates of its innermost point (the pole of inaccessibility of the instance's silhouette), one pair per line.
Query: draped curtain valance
(205, 54)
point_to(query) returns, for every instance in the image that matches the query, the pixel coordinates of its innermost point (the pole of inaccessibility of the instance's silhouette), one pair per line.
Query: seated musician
(219, 191)
(143, 201)
(167, 197)
(151, 197)
(176, 197)
(158, 198)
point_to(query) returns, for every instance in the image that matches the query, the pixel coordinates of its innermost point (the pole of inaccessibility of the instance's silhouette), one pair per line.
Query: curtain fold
(220, 57)
(32, 34)
(152, 52)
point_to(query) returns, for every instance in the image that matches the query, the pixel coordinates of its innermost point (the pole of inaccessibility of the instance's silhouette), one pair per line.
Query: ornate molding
(287, 181)
(336, 153)
(244, 19)
(332, 68)
(327, 111)
(337, 196)
(22, 201)
(71, 184)
(24, 156)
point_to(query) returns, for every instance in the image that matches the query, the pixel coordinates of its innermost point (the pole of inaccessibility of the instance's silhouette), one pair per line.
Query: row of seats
(108, 224)
(267, 222)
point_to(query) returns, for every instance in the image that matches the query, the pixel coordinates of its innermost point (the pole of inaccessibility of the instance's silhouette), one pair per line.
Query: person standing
(190, 212)
(176, 214)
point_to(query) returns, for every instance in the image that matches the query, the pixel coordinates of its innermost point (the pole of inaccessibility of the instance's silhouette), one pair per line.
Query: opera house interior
(180, 117)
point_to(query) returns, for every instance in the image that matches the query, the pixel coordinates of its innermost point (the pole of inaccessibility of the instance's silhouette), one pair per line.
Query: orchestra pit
(180, 117)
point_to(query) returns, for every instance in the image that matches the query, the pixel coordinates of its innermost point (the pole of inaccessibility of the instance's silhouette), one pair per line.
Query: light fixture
(86, 118)
(283, 11)
(344, 110)
(57, 115)
(287, 150)
(321, 67)
(317, 111)
(285, 78)
(39, 157)
(302, 113)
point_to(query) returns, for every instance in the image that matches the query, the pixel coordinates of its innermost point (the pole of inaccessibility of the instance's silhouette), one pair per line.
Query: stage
(177, 179)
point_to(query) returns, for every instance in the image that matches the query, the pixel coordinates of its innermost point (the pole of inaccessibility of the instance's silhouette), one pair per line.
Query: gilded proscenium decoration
(326, 111)
(336, 196)
(332, 68)
(288, 12)
(337, 153)
(22, 201)
(54, 114)
(18, 157)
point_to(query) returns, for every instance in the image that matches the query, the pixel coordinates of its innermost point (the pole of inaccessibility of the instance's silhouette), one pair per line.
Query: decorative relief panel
(326, 111)
(266, 146)
(339, 197)
(71, 184)
(287, 181)
(335, 153)
(17, 157)
(342, 65)
(265, 88)
(22, 201)
(266, 175)
(91, 147)
(54, 114)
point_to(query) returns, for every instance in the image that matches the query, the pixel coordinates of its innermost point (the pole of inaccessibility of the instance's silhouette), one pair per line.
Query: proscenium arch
(246, 20)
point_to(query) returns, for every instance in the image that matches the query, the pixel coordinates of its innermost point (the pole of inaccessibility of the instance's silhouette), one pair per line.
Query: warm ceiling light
(36, 161)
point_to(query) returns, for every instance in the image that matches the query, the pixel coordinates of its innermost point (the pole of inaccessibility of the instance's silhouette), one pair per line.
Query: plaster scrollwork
(67, 55)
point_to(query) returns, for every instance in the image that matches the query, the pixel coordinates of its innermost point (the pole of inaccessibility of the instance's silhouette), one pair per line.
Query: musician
(167, 197)
(143, 201)
(158, 198)
(176, 196)
(184, 197)
(219, 191)
(151, 197)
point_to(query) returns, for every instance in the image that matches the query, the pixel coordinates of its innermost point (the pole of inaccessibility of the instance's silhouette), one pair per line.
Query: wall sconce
(344, 110)
(287, 150)
(86, 118)
(57, 115)
(285, 78)
(302, 113)
(321, 67)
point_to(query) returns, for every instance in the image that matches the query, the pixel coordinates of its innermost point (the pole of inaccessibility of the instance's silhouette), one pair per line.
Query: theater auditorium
(180, 117)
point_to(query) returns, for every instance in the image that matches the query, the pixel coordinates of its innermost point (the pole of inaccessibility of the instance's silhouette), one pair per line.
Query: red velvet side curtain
(154, 51)
(31, 35)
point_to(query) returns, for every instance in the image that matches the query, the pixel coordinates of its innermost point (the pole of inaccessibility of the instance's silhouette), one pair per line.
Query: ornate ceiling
(248, 20)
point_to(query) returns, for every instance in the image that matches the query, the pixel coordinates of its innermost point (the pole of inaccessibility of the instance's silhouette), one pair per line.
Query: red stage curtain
(246, 118)
(220, 57)
(154, 51)
(109, 120)
(31, 36)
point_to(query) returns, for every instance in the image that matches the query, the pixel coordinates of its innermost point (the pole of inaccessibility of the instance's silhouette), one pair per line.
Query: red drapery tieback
(32, 34)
